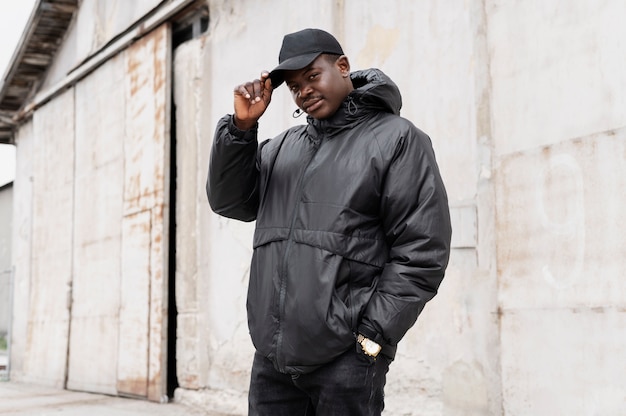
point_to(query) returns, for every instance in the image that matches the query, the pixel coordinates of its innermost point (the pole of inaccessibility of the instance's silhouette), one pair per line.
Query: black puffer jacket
(352, 225)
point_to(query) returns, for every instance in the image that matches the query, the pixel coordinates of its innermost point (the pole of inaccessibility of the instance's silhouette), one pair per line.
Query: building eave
(7, 185)
(35, 51)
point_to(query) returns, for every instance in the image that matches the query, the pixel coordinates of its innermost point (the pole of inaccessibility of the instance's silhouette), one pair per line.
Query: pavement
(27, 399)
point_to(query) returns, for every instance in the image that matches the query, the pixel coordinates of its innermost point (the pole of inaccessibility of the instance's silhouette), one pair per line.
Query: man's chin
(321, 113)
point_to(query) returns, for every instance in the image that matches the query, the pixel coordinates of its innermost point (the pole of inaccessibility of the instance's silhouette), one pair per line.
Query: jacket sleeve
(416, 220)
(233, 180)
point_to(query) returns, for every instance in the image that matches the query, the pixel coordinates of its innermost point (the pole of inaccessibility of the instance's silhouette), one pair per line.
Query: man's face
(320, 88)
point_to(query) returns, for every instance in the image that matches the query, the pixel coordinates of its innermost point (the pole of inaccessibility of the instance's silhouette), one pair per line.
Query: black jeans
(352, 384)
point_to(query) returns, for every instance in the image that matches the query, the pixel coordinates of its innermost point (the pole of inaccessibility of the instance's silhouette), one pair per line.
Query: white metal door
(118, 331)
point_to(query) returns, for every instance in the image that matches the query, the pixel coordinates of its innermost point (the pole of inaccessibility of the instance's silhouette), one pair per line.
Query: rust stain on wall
(380, 43)
(159, 54)
(147, 80)
(145, 167)
(136, 81)
(133, 387)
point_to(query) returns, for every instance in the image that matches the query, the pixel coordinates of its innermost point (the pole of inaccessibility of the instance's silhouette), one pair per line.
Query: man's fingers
(243, 89)
(250, 91)
(255, 91)
(268, 84)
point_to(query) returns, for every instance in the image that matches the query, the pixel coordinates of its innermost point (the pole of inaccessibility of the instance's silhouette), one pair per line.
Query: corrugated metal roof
(42, 36)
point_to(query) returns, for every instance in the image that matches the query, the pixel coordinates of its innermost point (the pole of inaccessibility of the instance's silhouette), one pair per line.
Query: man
(352, 230)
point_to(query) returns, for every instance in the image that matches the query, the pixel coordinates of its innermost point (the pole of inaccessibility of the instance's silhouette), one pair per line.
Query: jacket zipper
(283, 274)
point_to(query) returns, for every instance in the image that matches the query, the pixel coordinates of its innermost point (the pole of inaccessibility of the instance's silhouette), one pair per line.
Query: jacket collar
(374, 92)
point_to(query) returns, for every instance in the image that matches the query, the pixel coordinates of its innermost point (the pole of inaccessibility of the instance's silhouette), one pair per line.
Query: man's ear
(344, 65)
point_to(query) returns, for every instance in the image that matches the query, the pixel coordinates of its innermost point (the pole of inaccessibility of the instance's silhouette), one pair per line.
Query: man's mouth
(312, 104)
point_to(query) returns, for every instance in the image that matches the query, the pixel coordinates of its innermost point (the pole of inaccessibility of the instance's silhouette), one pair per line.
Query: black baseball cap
(300, 49)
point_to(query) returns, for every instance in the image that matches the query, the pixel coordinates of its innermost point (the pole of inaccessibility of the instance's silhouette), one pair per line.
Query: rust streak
(158, 49)
(133, 387)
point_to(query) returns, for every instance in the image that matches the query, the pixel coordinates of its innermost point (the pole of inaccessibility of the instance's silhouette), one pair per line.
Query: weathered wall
(51, 244)
(455, 343)
(22, 248)
(6, 266)
(96, 23)
(525, 104)
(525, 96)
(213, 347)
(448, 363)
(559, 117)
(42, 245)
(91, 242)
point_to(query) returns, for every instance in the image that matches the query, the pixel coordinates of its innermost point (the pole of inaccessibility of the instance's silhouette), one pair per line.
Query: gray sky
(13, 17)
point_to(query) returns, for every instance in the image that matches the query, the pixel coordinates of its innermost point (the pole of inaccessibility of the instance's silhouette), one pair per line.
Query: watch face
(371, 347)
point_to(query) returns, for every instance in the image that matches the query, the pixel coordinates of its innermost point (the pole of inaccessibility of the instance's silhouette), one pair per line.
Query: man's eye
(313, 76)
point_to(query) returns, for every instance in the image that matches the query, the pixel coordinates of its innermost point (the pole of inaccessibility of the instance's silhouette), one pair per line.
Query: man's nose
(305, 91)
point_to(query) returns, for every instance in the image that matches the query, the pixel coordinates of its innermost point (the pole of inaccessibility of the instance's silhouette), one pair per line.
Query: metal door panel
(45, 354)
(145, 221)
(99, 173)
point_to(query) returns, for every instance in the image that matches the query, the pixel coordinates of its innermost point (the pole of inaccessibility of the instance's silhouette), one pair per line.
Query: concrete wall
(90, 243)
(96, 23)
(22, 247)
(455, 343)
(6, 269)
(525, 103)
(559, 125)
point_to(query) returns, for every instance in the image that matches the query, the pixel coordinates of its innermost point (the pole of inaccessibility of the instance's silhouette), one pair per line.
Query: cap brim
(291, 64)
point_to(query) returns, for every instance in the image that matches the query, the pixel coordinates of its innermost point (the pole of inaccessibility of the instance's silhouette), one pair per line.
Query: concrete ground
(26, 399)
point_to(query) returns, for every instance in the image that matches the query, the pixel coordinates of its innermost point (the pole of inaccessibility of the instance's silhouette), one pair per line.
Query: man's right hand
(251, 101)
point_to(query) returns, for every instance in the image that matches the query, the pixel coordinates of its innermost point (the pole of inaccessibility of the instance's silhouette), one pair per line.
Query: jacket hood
(376, 91)
(373, 92)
